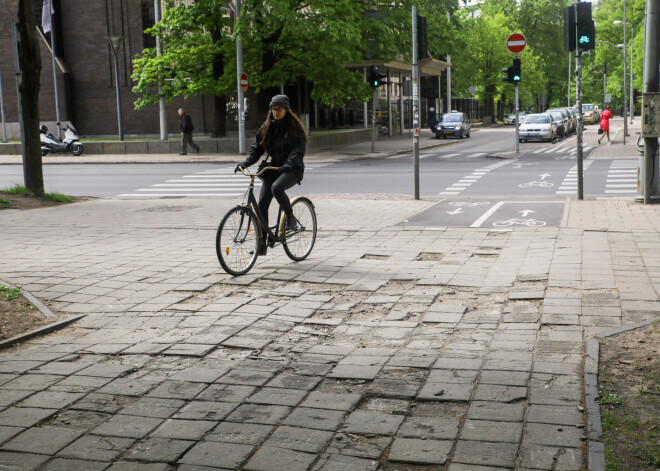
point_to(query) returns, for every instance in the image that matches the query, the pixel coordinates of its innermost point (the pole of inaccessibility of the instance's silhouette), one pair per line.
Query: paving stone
(59, 464)
(486, 453)
(492, 392)
(45, 440)
(259, 414)
(555, 458)
(79, 419)
(217, 455)
(177, 390)
(394, 387)
(368, 422)
(299, 439)
(183, 429)
(332, 401)
(439, 428)
(446, 392)
(6, 432)
(412, 361)
(557, 397)
(9, 397)
(409, 450)
(336, 462)
(553, 435)
(154, 407)
(127, 426)
(496, 411)
(355, 372)
(83, 384)
(306, 369)
(159, 449)
(226, 393)
(33, 382)
(206, 410)
(504, 378)
(364, 447)
(548, 414)
(20, 367)
(96, 448)
(106, 370)
(137, 466)
(12, 461)
(484, 430)
(129, 386)
(277, 396)
(102, 403)
(51, 400)
(269, 458)
(471, 467)
(24, 416)
(319, 419)
(246, 377)
(248, 434)
(458, 363)
(452, 376)
(294, 381)
(61, 367)
(198, 375)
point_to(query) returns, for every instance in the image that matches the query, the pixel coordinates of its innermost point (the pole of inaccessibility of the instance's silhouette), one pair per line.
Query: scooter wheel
(77, 149)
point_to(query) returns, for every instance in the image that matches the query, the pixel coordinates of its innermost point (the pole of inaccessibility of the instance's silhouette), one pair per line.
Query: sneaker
(291, 223)
(197, 150)
(182, 153)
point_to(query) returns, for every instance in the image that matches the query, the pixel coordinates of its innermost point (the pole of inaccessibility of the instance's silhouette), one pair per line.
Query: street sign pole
(415, 80)
(239, 73)
(578, 101)
(516, 43)
(517, 122)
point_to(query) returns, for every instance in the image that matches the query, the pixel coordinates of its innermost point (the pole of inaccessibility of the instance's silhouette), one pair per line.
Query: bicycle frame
(271, 238)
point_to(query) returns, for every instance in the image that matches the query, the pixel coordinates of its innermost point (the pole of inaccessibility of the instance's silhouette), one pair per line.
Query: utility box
(651, 114)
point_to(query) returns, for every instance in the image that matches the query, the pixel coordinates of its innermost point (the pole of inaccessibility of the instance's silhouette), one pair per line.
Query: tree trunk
(219, 102)
(30, 61)
(489, 102)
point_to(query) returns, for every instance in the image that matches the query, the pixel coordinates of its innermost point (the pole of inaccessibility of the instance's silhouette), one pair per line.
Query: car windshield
(557, 116)
(452, 118)
(587, 107)
(537, 119)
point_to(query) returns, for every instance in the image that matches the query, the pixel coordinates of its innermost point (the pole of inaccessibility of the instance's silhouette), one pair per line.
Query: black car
(454, 124)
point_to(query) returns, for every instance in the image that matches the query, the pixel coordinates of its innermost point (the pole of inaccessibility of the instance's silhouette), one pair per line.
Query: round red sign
(516, 43)
(244, 82)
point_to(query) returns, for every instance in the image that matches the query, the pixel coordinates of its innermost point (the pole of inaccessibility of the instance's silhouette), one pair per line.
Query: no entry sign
(516, 43)
(244, 82)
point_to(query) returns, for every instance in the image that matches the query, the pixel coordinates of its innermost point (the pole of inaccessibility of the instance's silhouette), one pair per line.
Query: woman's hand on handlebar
(240, 167)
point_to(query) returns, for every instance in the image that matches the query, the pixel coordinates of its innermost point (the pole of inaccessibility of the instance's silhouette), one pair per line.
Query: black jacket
(287, 156)
(186, 124)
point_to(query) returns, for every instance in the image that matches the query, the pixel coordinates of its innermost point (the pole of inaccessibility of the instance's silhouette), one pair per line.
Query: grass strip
(21, 190)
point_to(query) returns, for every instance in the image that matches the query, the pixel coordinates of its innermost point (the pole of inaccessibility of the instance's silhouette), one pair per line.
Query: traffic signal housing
(507, 77)
(586, 31)
(516, 75)
(376, 79)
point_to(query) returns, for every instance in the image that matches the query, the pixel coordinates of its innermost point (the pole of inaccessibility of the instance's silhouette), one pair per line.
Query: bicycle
(237, 238)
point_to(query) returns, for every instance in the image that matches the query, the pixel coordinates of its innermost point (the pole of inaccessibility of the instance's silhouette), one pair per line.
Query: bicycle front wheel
(236, 241)
(298, 244)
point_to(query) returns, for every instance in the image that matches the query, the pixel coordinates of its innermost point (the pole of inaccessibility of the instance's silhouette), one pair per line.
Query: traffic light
(375, 78)
(516, 76)
(586, 34)
(422, 47)
(508, 77)
(569, 28)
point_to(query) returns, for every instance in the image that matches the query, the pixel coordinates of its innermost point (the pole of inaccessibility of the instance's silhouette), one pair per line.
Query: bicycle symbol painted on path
(539, 184)
(520, 222)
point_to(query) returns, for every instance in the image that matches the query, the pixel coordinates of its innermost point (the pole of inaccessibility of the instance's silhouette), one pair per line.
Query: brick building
(85, 69)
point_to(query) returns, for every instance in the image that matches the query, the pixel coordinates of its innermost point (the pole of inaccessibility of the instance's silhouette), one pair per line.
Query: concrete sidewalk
(391, 348)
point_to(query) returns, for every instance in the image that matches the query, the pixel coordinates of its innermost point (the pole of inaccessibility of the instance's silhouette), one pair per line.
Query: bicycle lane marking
(531, 213)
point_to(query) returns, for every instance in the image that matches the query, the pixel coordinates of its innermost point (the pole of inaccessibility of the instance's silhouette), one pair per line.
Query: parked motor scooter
(70, 143)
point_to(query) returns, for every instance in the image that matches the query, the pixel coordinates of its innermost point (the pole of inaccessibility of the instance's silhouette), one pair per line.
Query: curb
(47, 329)
(596, 448)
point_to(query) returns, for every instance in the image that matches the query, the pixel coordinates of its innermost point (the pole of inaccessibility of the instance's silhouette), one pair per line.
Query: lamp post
(115, 41)
(632, 33)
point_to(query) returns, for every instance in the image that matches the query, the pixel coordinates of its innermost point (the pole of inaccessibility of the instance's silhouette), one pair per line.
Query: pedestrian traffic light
(569, 28)
(585, 37)
(516, 76)
(376, 79)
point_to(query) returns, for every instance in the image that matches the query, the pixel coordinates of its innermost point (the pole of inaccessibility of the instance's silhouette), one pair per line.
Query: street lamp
(632, 104)
(115, 41)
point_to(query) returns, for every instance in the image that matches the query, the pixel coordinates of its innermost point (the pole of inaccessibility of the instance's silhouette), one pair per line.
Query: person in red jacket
(605, 123)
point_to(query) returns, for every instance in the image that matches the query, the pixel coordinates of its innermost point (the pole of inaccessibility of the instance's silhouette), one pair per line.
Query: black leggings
(276, 185)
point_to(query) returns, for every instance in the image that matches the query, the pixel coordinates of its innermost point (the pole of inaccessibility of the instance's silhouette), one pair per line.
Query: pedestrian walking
(282, 137)
(186, 126)
(605, 124)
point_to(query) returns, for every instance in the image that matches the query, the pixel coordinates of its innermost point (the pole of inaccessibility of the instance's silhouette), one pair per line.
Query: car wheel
(438, 136)
(468, 134)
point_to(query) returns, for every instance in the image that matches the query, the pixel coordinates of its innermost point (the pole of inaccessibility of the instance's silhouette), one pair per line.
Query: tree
(30, 61)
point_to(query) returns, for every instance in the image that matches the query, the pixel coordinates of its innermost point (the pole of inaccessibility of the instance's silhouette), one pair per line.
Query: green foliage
(54, 197)
(4, 202)
(16, 190)
(9, 293)
(607, 398)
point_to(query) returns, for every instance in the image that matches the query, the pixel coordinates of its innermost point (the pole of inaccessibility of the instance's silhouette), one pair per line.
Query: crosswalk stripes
(570, 185)
(468, 180)
(622, 178)
(220, 182)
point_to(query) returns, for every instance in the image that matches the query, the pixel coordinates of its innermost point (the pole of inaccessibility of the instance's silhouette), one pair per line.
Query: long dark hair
(294, 128)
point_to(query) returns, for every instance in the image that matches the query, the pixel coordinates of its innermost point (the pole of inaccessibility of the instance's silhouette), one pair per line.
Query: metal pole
(365, 105)
(373, 120)
(569, 79)
(57, 100)
(625, 88)
(162, 112)
(632, 104)
(578, 99)
(401, 104)
(239, 72)
(517, 121)
(2, 111)
(415, 84)
(650, 86)
(389, 103)
(604, 85)
(115, 41)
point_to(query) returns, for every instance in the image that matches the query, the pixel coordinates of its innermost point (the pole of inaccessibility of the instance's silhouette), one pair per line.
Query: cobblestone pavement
(390, 348)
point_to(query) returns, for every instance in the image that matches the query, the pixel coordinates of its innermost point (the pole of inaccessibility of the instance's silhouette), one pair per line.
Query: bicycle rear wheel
(236, 240)
(298, 244)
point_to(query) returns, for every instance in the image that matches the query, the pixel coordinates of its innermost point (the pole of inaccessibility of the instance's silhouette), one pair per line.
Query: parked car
(562, 122)
(538, 127)
(572, 117)
(512, 117)
(590, 114)
(597, 113)
(454, 124)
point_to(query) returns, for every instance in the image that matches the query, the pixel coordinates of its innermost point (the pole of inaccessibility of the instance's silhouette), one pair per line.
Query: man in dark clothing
(187, 128)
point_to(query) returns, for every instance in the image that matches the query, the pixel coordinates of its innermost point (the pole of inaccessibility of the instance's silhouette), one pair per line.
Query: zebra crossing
(561, 152)
(622, 178)
(570, 184)
(469, 180)
(220, 182)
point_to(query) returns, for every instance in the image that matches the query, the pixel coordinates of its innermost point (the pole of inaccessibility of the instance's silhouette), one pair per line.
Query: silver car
(538, 127)
(512, 117)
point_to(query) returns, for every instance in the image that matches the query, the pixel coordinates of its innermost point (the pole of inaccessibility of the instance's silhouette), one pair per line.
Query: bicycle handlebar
(258, 174)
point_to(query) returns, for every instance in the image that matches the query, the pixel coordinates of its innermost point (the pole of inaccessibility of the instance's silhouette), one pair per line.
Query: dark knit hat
(280, 100)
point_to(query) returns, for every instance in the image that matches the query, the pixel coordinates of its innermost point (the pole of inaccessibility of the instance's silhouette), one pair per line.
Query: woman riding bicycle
(282, 136)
